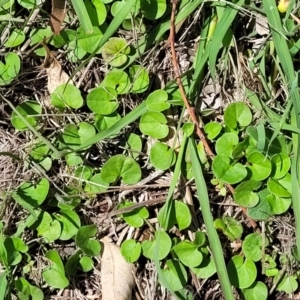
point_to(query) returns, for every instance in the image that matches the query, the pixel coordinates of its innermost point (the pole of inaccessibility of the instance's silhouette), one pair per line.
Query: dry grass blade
(117, 279)
(57, 15)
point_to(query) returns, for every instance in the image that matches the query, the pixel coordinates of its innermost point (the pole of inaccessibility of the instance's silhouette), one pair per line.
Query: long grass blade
(83, 15)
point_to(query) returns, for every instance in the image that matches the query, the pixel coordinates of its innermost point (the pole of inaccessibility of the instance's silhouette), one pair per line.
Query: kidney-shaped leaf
(140, 79)
(66, 95)
(157, 101)
(258, 290)
(131, 250)
(153, 9)
(281, 164)
(121, 166)
(237, 113)
(118, 80)
(161, 156)
(244, 195)
(225, 144)
(259, 166)
(252, 246)
(10, 69)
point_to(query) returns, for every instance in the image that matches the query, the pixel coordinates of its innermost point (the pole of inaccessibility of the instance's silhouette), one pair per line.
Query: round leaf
(120, 166)
(260, 167)
(237, 113)
(89, 42)
(287, 284)
(86, 264)
(161, 156)
(118, 80)
(244, 195)
(28, 110)
(153, 9)
(252, 246)
(280, 187)
(10, 68)
(136, 217)
(131, 250)
(157, 101)
(96, 184)
(66, 95)
(278, 205)
(154, 124)
(281, 164)
(258, 290)
(226, 172)
(230, 227)
(115, 51)
(140, 79)
(212, 129)
(104, 122)
(242, 273)
(16, 38)
(102, 101)
(206, 269)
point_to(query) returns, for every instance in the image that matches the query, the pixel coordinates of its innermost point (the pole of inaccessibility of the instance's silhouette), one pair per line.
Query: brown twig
(190, 109)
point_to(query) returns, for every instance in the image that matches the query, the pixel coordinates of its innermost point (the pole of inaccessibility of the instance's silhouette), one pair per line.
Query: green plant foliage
(258, 290)
(179, 214)
(280, 187)
(244, 194)
(115, 51)
(206, 269)
(74, 136)
(88, 42)
(29, 4)
(188, 128)
(104, 122)
(73, 262)
(242, 273)
(28, 111)
(83, 240)
(121, 166)
(278, 205)
(158, 101)
(33, 194)
(225, 144)
(118, 80)
(136, 217)
(237, 113)
(161, 156)
(287, 284)
(97, 12)
(96, 184)
(175, 274)
(226, 171)
(131, 250)
(134, 143)
(259, 167)
(27, 291)
(140, 79)
(102, 100)
(54, 274)
(230, 227)
(153, 9)
(154, 124)
(10, 68)
(270, 266)
(118, 6)
(252, 246)
(212, 129)
(73, 159)
(85, 264)
(281, 164)
(70, 223)
(66, 95)
(188, 253)
(16, 38)
(159, 247)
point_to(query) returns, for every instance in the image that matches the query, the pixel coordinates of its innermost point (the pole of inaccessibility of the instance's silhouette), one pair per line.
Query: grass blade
(213, 238)
(83, 15)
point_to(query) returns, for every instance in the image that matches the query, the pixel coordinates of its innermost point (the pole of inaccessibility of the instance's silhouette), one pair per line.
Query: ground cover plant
(149, 149)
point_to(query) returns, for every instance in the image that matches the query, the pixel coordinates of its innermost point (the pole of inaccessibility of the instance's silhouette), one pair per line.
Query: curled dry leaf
(117, 279)
(57, 15)
(56, 75)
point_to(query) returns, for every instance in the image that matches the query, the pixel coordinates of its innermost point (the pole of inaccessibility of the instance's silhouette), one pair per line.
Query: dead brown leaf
(56, 75)
(117, 279)
(58, 14)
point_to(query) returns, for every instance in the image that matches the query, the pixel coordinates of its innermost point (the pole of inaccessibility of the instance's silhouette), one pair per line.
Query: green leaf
(136, 217)
(206, 269)
(188, 253)
(278, 205)
(3, 284)
(70, 223)
(281, 164)
(115, 51)
(120, 166)
(179, 214)
(54, 274)
(66, 95)
(162, 241)
(102, 100)
(258, 290)
(72, 262)
(28, 110)
(33, 194)
(280, 187)
(96, 184)
(134, 143)
(188, 129)
(212, 129)
(85, 264)
(230, 227)
(258, 166)
(244, 195)
(158, 101)
(242, 273)
(10, 68)
(225, 144)
(131, 250)
(161, 156)
(154, 124)
(287, 284)
(16, 38)
(29, 4)
(175, 274)
(227, 172)
(252, 246)
(237, 113)
(153, 9)
(27, 291)
(73, 159)
(83, 240)
(104, 122)
(96, 11)
(89, 42)
(140, 79)
(118, 80)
